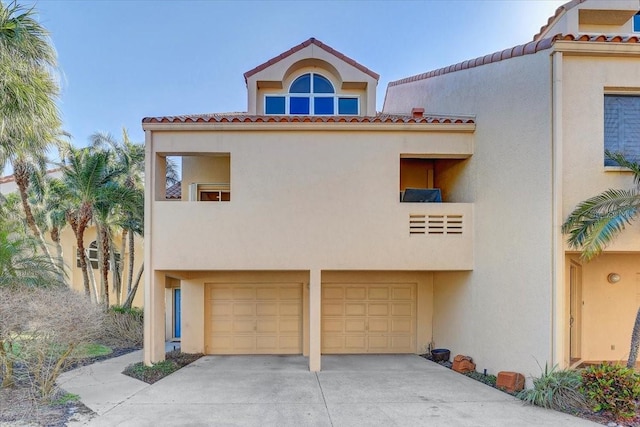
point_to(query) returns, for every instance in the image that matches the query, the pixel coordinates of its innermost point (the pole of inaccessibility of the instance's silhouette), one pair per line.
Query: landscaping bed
(554, 382)
(174, 360)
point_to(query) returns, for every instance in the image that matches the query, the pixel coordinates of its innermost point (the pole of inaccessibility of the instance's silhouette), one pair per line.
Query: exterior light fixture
(613, 278)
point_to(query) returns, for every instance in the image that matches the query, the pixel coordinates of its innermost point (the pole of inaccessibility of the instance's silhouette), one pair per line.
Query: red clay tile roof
(302, 46)
(525, 49)
(237, 118)
(174, 192)
(559, 12)
(11, 178)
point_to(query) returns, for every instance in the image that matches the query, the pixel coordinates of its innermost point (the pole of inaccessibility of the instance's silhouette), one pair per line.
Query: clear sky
(124, 60)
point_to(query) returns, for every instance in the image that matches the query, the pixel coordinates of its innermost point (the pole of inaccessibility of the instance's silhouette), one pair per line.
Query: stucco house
(311, 224)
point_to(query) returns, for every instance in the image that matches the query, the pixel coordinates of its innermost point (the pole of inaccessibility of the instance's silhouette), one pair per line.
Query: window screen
(622, 126)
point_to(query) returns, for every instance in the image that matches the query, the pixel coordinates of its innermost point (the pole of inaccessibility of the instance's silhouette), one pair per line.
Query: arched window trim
(280, 103)
(92, 256)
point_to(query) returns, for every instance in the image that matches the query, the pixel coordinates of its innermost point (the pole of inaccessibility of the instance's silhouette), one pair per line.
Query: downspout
(557, 251)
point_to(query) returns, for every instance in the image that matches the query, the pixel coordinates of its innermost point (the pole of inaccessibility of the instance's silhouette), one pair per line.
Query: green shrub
(486, 379)
(555, 389)
(612, 388)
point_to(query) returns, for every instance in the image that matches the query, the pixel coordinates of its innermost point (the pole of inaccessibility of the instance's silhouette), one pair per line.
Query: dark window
(298, 105)
(323, 106)
(636, 23)
(275, 105)
(311, 93)
(301, 85)
(321, 84)
(348, 106)
(622, 126)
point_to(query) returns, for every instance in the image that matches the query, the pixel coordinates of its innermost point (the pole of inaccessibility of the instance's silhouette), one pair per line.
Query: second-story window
(311, 94)
(622, 126)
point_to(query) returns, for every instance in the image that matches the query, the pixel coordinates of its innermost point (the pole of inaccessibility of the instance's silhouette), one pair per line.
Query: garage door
(253, 318)
(376, 318)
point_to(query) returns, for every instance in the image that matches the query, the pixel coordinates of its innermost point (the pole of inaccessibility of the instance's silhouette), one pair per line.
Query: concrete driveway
(396, 390)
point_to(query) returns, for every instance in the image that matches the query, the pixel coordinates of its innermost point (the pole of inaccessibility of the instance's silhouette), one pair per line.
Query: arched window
(311, 94)
(92, 256)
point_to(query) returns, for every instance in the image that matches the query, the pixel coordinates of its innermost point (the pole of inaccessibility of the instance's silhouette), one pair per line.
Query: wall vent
(435, 224)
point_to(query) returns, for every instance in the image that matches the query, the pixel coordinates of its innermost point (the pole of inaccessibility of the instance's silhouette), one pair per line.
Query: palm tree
(20, 262)
(90, 183)
(597, 221)
(29, 119)
(130, 156)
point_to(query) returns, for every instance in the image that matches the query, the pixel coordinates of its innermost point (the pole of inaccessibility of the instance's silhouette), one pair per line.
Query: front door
(575, 312)
(176, 313)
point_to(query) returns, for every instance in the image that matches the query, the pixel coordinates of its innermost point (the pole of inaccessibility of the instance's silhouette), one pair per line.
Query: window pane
(348, 106)
(274, 105)
(636, 23)
(301, 85)
(622, 126)
(298, 105)
(321, 85)
(323, 106)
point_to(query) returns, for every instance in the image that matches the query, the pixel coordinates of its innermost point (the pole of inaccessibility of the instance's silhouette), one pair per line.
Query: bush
(123, 327)
(150, 374)
(555, 389)
(40, 328)
(612, 388)
(483, 378)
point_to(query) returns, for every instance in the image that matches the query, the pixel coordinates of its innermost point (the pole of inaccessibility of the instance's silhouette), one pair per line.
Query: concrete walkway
(397, 390)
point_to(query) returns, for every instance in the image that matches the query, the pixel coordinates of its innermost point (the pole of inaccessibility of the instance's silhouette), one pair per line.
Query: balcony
(248, 234)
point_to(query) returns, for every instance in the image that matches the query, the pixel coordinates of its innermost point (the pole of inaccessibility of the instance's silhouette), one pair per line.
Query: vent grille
(435, 224)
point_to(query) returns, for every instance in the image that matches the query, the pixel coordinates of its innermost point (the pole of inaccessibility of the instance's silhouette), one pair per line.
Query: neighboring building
(545, 112)
(313, 225)
(69, 250)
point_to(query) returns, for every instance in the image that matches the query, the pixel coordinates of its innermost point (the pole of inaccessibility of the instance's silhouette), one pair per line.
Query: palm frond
(621, 160)
(595, 222)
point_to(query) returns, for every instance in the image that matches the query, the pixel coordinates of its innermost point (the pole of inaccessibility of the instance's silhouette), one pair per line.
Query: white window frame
(311, 95)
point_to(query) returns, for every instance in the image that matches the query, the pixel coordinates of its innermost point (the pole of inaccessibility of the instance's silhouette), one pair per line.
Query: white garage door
(368, 318)
(251, 318)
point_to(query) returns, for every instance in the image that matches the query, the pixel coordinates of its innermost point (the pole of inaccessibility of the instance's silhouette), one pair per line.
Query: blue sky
(123, 60)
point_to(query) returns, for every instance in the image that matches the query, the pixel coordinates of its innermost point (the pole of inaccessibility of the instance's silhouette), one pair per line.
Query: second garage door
(250, 318)
(368, 318)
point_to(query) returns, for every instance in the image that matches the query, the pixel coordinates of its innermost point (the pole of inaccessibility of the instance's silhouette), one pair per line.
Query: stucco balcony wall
(228, 236)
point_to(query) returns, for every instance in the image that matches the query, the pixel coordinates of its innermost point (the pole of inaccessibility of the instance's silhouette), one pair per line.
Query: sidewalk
(101, 386)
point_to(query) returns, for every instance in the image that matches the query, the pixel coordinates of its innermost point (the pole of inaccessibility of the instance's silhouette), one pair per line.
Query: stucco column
(315, 297)
(154, 319)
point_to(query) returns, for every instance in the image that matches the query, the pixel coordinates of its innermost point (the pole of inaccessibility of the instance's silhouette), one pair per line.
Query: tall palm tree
(130, 156)
(29, 119)
(597, 221)
(90, 183)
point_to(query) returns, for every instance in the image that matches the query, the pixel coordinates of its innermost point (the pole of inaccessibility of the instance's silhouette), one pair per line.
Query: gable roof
(553, 19)
(315, 42)
(520, 50)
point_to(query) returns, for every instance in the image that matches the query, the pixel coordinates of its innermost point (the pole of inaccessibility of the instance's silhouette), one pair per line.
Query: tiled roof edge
(520, 50)
(301, 46)
(380, 118)
(553, 19)
(11, 178)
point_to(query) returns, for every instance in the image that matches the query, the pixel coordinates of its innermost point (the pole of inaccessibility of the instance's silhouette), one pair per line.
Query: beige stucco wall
(585, 81)
(609, 309)
(499, 313)
(303, 199)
